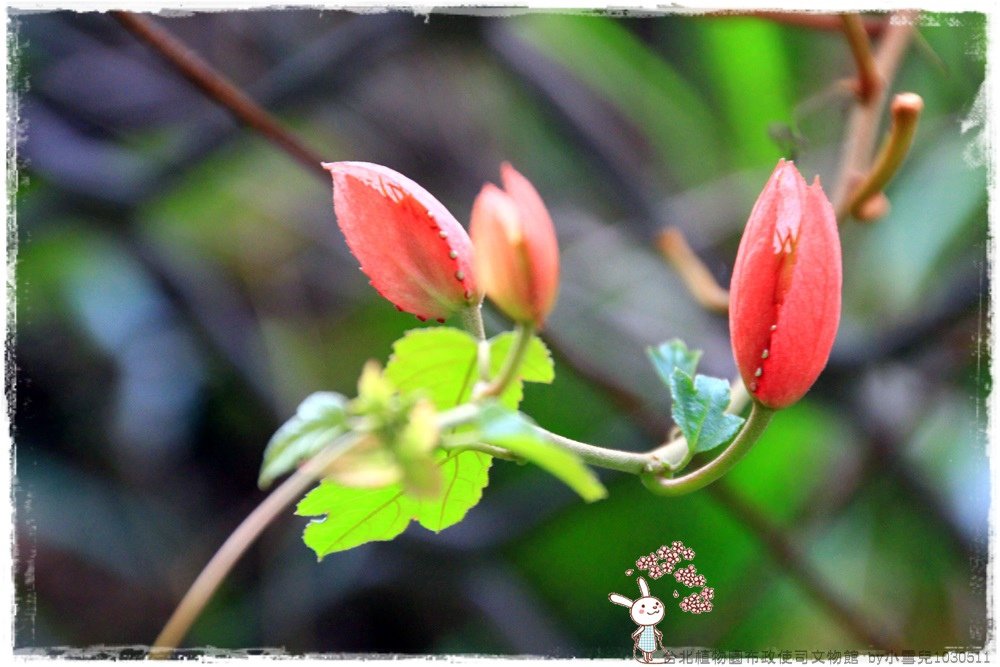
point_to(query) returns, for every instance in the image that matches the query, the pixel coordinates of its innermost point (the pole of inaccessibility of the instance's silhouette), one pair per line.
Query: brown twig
(699, 280)
(906, 108)
(869, 82)
(862, 125)
(219, 88)
(201, 591)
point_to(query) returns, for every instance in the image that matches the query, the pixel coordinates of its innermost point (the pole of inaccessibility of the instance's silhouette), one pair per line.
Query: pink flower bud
(413, 250)
(785, 293)
(517, 257)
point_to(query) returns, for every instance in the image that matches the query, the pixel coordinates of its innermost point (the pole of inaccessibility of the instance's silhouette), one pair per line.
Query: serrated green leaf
(536, 366)
(319, 420)
(353, 516)
(699, 410)
(440, 361)
(673, 354)
(357, 516)
(464, 475)
(443, 362)
(514, 432)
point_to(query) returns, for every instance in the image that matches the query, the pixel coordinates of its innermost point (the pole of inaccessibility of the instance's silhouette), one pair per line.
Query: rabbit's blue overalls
(647, 640)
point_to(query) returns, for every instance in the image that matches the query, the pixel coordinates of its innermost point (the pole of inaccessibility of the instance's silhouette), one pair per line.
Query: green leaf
(536, 366)
(440, 361)
(465, 475)
(673, 354)
(356, 516)
(443, 363)
(700, 410)
(514, 432)
(319, 420)
(353, 516)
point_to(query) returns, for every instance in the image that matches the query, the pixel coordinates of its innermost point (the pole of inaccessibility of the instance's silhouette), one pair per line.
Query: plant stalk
(860, 135)
(754, 427)
(235, 546)
(869, 81)
(472, 321)
(700, 282)
(906, 108)
(612, 459)
(511, 365)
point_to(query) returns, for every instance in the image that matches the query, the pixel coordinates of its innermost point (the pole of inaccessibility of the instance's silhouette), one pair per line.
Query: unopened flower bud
(411, 248)
(785, 293)
(517, 256)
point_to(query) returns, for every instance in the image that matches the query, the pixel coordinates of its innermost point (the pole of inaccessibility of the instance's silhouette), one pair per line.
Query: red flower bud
(517, 256)
(785, 293)
(413, 250)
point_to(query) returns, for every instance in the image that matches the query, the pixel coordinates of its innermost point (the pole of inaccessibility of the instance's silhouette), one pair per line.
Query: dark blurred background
(182, 285)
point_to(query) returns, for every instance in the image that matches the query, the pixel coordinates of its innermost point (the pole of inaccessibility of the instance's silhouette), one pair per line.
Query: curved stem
(906, 108)
(512, 364)
(612, 459)
(759, 418)
(739, 397)
(457, 416)
(472, 321)
(235, 546)
(495, 452)
(674, 455)
(700, 282)
(869, 81)
(644, 464)
(860, 135)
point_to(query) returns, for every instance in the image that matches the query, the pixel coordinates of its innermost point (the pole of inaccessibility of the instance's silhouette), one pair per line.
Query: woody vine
(418, 440)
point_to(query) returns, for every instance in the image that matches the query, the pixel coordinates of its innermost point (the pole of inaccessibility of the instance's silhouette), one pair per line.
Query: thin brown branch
(696, 276)
(863, 122)
(216, 86)
(201, 591)
(906, 108)
(869, 82)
